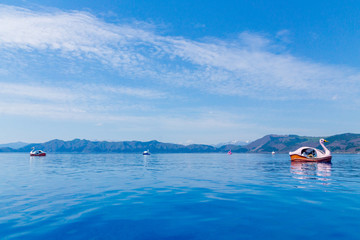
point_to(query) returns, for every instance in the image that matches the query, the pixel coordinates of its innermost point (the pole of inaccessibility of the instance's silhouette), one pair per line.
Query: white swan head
(323, 140)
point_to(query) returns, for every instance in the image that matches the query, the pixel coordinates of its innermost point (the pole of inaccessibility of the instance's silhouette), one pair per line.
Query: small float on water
(146, 152)
(229, 152)
(309, 154)
(37, 153)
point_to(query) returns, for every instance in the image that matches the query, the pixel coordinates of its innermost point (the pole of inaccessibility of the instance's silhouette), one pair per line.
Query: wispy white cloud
(284, 35)
(135, 92)
(37, 91)
(3, 71)
(88, 102)
(247, 66)
(15, 90)
(41, 110)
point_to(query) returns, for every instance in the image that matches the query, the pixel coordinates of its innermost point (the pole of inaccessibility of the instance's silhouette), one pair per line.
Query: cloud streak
(246, 66)
(85, 102)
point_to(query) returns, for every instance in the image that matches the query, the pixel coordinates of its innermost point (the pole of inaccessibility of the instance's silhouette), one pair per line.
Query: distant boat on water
(273, 153)
(229, 152)
(37, 153)
(146, 152)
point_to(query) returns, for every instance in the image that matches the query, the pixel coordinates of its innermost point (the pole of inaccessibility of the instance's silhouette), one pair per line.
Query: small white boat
(37, 153)
(273, 153)
(309, 154)
(146, 152)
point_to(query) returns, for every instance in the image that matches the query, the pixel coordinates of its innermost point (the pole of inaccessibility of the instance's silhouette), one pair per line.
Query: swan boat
(38, 153)
(309, 154)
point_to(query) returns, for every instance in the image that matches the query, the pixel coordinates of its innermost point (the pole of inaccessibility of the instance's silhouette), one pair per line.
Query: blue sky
(178, 71)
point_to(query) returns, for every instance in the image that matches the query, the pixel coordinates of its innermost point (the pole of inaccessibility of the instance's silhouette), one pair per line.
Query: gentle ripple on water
(178, 196)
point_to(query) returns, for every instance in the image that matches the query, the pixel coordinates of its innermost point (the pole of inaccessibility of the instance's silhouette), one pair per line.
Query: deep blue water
(178, 196)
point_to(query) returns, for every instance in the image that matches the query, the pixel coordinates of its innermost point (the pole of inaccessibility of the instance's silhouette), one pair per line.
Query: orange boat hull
(299, 158)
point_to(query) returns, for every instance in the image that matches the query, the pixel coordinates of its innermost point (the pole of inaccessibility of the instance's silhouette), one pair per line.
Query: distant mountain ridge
(235, 142)
(341, 143)
(86, 146)
(14, 145)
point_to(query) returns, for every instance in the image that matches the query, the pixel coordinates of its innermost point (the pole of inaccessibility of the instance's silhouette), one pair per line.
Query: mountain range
(235, 142)
(14, 145)
(342, 143)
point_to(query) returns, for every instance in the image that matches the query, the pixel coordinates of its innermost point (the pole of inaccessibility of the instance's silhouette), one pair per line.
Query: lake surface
(178, 196)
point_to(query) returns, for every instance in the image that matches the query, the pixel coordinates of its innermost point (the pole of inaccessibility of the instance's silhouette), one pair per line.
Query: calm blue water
(178, 196)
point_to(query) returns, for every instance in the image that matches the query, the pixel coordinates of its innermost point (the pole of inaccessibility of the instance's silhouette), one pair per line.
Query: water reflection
(311, 170)
(146, 160)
